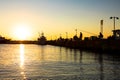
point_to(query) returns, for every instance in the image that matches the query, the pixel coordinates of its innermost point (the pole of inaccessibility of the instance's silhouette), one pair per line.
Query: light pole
(114, 20)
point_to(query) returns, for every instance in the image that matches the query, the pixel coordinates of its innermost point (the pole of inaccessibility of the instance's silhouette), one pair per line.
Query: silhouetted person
(81, 35)
(100, 36)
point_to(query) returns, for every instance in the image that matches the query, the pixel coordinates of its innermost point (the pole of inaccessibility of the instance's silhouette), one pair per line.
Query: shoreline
(105, 45)
(19, 42)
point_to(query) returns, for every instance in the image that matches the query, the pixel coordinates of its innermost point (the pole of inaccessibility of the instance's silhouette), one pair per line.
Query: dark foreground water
(35, 62)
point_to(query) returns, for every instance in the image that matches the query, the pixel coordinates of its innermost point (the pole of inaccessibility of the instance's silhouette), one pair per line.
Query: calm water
(35, 62)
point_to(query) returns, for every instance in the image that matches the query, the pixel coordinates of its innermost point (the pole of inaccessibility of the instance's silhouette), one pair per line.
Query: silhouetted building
(116, 33)
(86, 38)
(93, 38)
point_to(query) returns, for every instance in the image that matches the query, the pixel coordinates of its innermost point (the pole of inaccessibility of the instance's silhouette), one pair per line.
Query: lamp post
(114, 20)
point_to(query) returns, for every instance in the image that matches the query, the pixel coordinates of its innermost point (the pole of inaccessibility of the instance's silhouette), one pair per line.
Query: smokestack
(101, 23)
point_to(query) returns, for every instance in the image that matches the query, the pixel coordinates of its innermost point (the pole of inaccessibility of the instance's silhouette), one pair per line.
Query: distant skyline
(24, 19)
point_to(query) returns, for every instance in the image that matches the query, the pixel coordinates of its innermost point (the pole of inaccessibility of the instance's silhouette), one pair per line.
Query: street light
(114, 20)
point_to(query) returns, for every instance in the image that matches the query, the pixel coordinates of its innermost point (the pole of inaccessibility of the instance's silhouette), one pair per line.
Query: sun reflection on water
(22, 60)
(21, 55)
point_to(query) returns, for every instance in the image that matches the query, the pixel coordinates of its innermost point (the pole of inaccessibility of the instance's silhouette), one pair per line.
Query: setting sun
(22, 32)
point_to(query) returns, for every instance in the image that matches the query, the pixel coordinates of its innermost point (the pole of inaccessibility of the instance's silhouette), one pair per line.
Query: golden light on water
(22, 61)
(23, 74)
(21, 55)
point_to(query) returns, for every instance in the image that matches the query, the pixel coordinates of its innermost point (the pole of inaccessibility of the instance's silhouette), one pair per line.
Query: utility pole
(114, 20)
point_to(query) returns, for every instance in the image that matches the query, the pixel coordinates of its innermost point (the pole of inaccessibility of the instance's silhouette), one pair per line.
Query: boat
(42, 39)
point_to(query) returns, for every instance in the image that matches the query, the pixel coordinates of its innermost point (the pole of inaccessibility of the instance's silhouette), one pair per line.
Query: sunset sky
(25, 19)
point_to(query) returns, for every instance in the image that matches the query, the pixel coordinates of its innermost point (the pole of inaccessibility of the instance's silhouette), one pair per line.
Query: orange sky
(55, 17)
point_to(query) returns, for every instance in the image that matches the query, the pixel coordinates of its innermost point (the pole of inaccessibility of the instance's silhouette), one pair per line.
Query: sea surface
(36, 62)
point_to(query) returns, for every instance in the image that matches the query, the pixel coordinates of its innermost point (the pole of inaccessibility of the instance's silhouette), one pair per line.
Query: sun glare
(22, 32)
